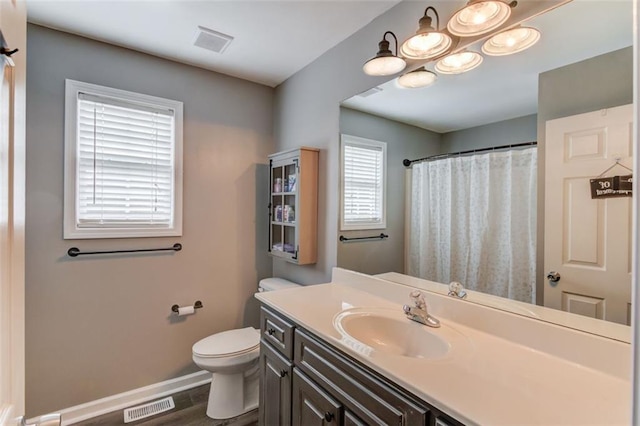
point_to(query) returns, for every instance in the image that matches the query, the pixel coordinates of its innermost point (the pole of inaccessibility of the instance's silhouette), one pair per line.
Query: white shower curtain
(473, 220)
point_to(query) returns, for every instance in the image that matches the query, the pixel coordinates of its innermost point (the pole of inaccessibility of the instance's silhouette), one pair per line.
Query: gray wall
(97, 326)
(403, 141)
(596, 83)
(516, 130)
(306, 112)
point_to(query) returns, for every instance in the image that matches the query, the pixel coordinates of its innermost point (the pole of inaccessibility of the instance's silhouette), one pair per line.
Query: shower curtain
(473, 220)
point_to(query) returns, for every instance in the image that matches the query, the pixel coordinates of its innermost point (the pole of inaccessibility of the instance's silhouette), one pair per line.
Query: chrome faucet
(418, 313)
(457, 290)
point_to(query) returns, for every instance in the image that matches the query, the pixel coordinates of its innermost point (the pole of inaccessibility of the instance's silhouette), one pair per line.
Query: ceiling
(272, 39)
(507, 87)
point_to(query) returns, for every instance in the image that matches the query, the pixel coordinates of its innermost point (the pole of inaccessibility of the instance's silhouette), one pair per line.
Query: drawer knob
(271, 331)
(328, 416)
(283, 373)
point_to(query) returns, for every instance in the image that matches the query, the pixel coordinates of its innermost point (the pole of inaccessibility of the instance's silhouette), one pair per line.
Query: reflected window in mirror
(363, 181)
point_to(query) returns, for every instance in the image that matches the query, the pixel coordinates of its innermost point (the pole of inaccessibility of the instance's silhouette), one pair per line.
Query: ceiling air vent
(370, 92)
(212, 40)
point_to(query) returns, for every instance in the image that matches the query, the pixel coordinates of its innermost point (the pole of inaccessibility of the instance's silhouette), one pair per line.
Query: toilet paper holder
(196, 305)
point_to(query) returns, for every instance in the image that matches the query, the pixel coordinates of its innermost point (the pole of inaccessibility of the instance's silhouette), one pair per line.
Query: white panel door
(588, 241)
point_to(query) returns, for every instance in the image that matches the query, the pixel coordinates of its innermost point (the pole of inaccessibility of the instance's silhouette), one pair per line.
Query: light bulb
(479, 17)
(459, 63)
(425, 46)
(511, 41)
(479, 13)
(418, 78)
(384, 65)
(425, 42)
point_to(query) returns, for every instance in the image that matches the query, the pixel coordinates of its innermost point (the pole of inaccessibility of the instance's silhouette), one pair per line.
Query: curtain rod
(407, 163)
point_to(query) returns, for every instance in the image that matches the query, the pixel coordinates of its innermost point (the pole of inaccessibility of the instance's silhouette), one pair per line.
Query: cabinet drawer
(367, 397)
(277, 331)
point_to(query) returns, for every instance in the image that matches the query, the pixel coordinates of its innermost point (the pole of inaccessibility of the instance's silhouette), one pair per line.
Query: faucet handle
(418, 299)
(456, 289)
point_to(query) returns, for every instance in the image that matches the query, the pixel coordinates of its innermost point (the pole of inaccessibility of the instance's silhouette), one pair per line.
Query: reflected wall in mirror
(582, 64)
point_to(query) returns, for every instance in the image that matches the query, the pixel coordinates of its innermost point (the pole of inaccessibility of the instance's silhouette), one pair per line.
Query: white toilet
(232, 357)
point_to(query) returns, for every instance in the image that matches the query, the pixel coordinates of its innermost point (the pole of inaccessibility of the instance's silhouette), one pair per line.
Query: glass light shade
(459, 63)
(511, 41)
(384, 65)
(426, 45)
(418, 78)
(479, 17)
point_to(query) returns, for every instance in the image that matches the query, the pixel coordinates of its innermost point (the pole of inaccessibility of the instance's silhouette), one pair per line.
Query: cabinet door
(275, 388)
(283, 207)
(293, 205)
(311, 405)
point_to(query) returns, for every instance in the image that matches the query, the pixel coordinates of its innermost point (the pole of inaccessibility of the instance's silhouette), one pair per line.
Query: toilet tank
(270, 284)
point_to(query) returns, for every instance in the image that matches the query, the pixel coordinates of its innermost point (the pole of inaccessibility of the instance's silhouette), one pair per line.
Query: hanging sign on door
(611, 187)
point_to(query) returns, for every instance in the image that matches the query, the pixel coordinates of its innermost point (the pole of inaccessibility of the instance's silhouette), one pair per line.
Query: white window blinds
(125, 164)
(363, 168)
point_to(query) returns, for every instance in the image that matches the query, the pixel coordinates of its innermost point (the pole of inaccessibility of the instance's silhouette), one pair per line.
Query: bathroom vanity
(343, 353)
(309, 381)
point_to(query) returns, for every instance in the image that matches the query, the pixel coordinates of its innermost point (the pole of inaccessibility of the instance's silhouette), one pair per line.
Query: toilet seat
(228, 343)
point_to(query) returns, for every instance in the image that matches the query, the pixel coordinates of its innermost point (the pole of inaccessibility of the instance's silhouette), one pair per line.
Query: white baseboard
(123, 400)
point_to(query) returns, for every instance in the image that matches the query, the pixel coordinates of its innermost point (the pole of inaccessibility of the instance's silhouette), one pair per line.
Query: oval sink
(370, 330)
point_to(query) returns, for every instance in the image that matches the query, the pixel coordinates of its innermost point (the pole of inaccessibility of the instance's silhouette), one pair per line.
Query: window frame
(71, 229)
(345, 140)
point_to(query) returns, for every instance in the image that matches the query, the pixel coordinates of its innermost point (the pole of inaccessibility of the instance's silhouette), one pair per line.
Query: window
(123, 164)
(364, 167)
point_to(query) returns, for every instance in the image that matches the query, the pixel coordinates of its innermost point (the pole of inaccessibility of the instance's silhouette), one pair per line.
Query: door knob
(328, 416)
(553, 277)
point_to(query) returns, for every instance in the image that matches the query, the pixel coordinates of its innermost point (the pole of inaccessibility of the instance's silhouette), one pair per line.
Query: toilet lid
(231, 342)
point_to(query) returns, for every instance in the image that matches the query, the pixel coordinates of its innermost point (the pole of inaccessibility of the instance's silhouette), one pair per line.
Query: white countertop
(486, 379)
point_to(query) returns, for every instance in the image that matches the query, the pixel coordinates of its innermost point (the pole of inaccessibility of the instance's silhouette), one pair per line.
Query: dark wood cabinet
(275, 388)
(372, 400)
(311, 405)
(306, 382)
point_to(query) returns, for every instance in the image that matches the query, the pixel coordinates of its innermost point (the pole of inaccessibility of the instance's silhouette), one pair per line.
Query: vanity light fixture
(511, 41)
(458, 63)
(479, 17)
(415, 79)
(385, 62)
(428, 42)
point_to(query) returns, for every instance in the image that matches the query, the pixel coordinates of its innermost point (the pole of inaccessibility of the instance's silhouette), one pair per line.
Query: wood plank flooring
(191, 409)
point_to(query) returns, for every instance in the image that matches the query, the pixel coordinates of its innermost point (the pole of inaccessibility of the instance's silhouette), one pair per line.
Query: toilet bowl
(232, 358)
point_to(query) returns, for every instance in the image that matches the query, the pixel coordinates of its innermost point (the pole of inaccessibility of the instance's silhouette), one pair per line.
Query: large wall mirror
(571, 95)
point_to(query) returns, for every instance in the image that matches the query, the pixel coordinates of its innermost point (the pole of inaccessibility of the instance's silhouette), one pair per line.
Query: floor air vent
(147, 410)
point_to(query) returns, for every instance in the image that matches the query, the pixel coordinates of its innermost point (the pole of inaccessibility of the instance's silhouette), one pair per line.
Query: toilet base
(232, 395)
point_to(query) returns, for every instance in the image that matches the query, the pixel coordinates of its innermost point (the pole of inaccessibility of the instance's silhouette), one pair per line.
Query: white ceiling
(507, 87)
(272, 39)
